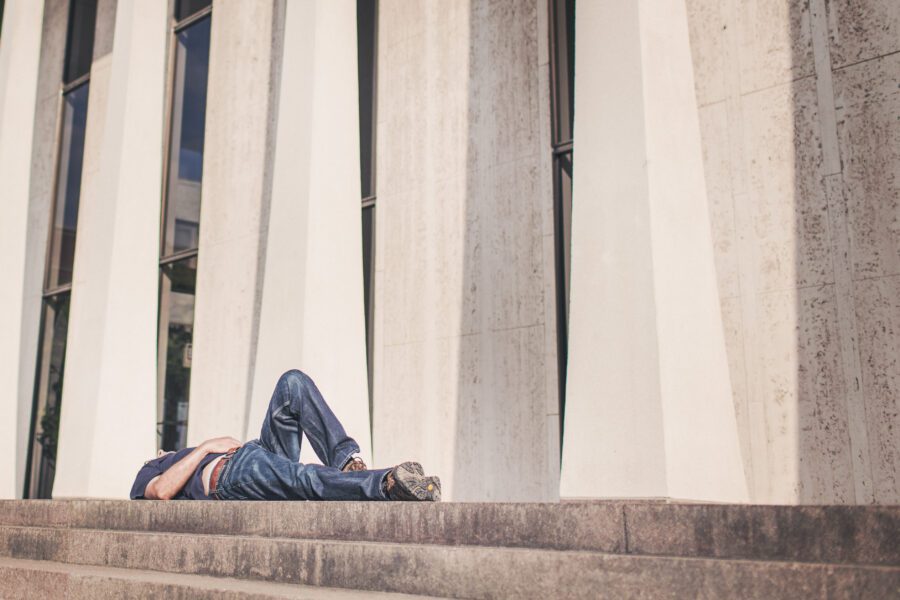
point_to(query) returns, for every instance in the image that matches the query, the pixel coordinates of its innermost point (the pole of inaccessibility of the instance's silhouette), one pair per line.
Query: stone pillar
(461, 326)
(20, 51)
(235, 195)
(312, 302)
(107, 426)
(649, 408)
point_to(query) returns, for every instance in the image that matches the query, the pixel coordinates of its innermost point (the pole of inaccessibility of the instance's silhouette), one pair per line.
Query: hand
(221, 444)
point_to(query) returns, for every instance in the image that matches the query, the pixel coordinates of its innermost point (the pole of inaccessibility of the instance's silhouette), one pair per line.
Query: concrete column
(461, 326)
(649, 408)
(235, 195)
(20, 51)
(107, 426)
(312, 302)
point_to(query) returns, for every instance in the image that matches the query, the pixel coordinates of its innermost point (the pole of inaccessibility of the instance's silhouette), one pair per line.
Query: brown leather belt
(217, 470)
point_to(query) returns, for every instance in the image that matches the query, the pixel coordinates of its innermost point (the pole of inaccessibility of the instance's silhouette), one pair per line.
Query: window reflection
(186, 8)
(79, 54)
(562, 76)
(68, 190)
(564, 172)
(181, 225)
(188, 127)
(563, 15)
(368, 243)
(176, 325)
(366, 27)
(51, 364)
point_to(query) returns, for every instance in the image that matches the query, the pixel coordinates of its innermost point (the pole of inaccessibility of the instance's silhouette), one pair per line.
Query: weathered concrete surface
(828, 534)
(311, 313)
(798, 103)
(470, 572)
(27, 579)
(462, 329)
(648, 404)
(240, 129)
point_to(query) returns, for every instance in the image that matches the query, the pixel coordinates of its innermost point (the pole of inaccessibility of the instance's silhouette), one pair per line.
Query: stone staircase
(110, 548)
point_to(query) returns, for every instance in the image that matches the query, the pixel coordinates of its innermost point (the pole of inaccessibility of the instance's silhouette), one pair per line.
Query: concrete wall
(461, 326)
(21, 256)
(735, 323)
(798, 105)
(648, 409)
(110, 375)
(312, 298)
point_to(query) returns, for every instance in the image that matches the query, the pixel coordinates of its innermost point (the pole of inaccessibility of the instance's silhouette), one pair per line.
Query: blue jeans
(269, 469)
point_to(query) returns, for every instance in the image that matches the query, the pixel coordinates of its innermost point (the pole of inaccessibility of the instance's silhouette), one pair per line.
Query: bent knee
(295, 376)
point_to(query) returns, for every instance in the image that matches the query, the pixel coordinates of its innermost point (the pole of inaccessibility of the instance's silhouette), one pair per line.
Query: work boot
(407, 481)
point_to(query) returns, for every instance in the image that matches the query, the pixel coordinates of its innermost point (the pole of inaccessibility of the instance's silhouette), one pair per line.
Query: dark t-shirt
(192, 490)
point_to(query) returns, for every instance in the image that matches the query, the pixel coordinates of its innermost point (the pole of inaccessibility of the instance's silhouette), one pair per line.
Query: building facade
(551, 249)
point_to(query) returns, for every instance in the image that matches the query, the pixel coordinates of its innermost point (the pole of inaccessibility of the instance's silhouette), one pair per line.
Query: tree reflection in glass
(176, 325)
(68, 188)
(51, 367)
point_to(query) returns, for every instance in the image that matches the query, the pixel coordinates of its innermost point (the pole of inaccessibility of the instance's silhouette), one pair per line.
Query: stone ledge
(28, 579)
(453, 571)
(825, 534)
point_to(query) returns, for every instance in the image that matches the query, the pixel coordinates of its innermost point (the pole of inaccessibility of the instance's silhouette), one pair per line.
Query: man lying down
(268, 468)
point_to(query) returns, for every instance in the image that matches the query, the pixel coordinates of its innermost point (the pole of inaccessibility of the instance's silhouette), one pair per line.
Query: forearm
(167, 485)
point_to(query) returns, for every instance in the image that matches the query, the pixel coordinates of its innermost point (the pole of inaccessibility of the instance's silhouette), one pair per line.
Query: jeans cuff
(344, 456)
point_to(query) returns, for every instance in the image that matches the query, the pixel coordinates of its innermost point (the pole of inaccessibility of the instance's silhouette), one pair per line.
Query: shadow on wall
(802, 150)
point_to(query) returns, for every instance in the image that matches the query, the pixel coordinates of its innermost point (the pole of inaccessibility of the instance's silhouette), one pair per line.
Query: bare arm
(167, 485)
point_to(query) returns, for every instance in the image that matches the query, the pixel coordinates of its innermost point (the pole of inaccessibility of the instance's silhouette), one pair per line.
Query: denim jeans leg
(254, 473)
(298, 407)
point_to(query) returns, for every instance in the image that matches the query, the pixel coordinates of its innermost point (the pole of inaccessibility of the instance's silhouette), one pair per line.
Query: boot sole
(413, 484)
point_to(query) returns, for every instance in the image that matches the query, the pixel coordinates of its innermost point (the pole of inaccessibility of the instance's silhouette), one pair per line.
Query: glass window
(48, 397)
(186, 8)
(368, 243)
(79, 54)
(68, 187)
(366, 21)
(367, 61)
(562, 77)
(564, 69)
(41, 462)
(176, 327)
(182, 216)
(564, 191)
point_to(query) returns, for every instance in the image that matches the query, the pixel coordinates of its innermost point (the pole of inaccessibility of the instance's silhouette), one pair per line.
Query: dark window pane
(368, 245)
(562, 176)
(68, 187)
(570, 62)
(188, 129)
(366, 26)
(188, 7)
(48, 397)
(563, 63)
(79, 53)
(176, 330)
(564, 162)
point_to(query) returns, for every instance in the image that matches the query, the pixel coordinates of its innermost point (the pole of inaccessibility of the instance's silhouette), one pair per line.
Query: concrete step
(28, 579)
(443, 570)
(864, 535)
